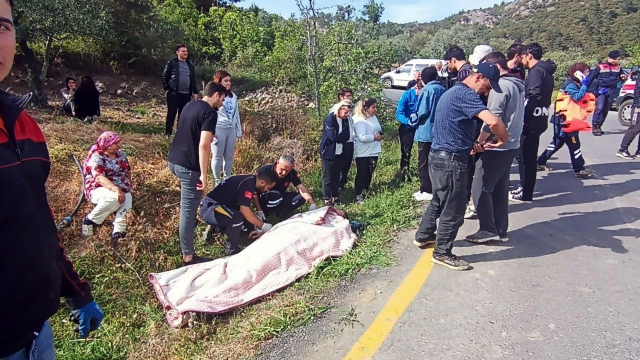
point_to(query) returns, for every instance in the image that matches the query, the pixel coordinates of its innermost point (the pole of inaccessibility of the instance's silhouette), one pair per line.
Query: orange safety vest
(576, 113)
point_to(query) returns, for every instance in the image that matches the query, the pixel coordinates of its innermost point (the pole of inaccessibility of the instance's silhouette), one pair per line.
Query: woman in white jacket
(367, 147)
(228, 130)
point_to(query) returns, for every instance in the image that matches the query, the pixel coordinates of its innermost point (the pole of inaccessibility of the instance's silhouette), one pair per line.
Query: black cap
(490, 71)
(614, 54)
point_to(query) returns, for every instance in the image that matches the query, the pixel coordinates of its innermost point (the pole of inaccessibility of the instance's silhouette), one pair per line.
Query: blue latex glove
(603, 91)
(585, 81)
(88, 318)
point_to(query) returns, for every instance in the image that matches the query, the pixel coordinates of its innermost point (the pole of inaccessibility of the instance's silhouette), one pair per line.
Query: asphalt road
(564, 287)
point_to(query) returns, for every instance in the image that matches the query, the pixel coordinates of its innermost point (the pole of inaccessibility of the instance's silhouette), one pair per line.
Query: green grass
(135, 327)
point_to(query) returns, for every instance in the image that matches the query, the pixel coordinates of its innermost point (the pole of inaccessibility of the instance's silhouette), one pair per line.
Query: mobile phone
(579, 75)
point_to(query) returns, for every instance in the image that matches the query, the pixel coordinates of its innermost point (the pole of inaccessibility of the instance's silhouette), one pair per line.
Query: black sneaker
(518, 190)
(585, 174)
(116, 237)
(517, 197)
(451, 261)
(625, 155)
(423, 243)
(195, 260)
(482, 236)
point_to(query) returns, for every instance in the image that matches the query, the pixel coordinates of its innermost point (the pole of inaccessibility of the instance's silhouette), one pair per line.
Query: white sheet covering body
(289, 250)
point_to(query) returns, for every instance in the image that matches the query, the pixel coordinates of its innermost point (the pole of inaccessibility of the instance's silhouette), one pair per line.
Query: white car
(401, 76)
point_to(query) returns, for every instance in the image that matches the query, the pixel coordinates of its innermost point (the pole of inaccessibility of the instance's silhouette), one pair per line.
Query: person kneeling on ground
(278, 201)
(228, 205)
(107, 181)
(67, 94)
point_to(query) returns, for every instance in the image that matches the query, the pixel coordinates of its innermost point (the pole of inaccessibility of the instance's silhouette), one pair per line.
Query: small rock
(120, 92)
(123, 85)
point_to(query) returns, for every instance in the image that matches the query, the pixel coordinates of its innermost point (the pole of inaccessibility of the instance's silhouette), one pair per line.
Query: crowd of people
(469, 123)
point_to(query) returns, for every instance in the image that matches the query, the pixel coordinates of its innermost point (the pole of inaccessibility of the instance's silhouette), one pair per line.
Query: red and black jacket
(34, 270)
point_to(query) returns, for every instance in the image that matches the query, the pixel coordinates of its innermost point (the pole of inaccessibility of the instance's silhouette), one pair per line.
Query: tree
(47, 21)
(372, 12)
(310, 17)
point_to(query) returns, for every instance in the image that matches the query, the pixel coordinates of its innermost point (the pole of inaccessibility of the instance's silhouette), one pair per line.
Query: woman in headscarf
(107, 176)
(86, 100)
(335, 132)
(576, 87)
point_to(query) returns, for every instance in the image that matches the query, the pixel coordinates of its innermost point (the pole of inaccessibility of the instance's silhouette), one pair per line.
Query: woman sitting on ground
(107, 183)
(67, 94)
(228, 130)
(368, 134)
(86, 100)
(335, 132)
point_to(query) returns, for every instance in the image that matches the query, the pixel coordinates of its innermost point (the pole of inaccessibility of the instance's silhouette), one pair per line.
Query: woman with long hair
(86, 100)
(576, 87)
(228, 130)
(368, 146)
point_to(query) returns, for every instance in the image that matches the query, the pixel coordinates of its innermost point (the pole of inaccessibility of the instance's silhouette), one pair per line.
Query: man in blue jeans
(453, 142)
(189, 161)
(34, 268)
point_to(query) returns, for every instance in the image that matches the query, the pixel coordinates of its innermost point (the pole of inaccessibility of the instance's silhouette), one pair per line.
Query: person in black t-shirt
(189, 161)
(228, 205)
(278, 201)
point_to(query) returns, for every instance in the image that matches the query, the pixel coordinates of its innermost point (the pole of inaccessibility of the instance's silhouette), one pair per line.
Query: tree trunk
(47, 59)
(312, 46)
(35, 81)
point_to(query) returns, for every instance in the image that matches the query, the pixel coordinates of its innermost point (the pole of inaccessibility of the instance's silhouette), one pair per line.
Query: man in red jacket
(34, 269)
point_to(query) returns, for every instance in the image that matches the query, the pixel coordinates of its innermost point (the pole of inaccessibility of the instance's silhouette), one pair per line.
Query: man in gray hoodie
(490, 187)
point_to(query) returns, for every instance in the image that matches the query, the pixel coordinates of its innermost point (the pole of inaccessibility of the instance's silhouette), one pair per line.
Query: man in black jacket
(539, 89)
(179, 80)
(634, 129)
(34, 269)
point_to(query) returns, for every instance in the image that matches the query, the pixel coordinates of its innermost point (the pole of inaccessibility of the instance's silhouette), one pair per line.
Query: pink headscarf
(105, 140)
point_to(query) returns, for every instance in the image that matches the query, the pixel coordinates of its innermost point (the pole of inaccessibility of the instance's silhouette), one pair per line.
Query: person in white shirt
(368, 146)
(228, 131)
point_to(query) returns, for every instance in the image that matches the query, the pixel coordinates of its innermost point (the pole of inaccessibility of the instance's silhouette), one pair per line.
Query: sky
(402, 11)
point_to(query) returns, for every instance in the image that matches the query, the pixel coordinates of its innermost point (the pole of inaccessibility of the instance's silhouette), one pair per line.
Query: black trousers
(573, 144)
(222, 216)
(527, 163)
(175, 103)
(603, 105)
(631, 132)
(347, 160)
(406, 144)
(281, 204)
(331, 177)
(449, 175)
(423, 167)
(365, 166)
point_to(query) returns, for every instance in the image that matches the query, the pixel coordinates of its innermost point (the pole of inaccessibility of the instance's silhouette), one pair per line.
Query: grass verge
(134, 327)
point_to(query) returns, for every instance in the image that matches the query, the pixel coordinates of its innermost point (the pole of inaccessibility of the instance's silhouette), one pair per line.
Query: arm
(194, 84)
(636, 95)
(360, 129)
(496, 103)
(593, 75)
(402, 110)
(256, 203)
(330, 128)
(345, 134)
(496, 126)
(166, 75)
(236, 117)
(204, 152)
(576, 93)
(75, 290)
(425, 105)
(251, 217)
(305, 194)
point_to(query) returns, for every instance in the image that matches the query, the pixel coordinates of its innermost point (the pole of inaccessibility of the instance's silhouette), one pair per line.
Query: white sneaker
(416, 194)
(87, 230)
(470, 213)
(424, 197)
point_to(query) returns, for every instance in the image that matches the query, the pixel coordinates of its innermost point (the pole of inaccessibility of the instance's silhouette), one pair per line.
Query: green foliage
(372, 12)
(634, 52)
(564, 59)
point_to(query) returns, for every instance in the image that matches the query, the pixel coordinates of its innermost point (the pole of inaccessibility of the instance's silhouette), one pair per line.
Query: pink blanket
(289, 250)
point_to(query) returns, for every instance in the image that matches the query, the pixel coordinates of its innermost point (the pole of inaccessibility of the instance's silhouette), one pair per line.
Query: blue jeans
(450, 181)
(189, 200)
(40, 349)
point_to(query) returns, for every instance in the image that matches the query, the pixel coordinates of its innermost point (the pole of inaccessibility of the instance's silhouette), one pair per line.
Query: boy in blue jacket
(406, 116)
(425, 110)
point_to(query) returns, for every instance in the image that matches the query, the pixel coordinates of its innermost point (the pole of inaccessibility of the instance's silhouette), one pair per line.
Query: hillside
(593, 26)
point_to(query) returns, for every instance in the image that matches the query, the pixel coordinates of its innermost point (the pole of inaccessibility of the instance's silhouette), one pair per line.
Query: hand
(194, 97)
(121, 196)
(585, 81)
(88, 319)
(603, 91)
(260, 215)
(255, 234)
(623, 76)
(494, 145)
(266, 227)
(377, 137)
(314, 206)
(202, 184)
(477, 148)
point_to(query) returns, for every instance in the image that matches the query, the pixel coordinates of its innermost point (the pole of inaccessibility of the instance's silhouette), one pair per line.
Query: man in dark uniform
(606, 77)
(278, 201)
(228, 205)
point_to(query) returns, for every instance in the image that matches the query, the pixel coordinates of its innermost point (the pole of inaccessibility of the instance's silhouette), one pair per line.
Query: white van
(401, 76)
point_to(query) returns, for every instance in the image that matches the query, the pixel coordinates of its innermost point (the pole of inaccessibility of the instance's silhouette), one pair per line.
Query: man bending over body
(228, 205)
(278, 201)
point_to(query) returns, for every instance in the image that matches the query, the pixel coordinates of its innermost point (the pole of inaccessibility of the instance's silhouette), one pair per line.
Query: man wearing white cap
(479, 52)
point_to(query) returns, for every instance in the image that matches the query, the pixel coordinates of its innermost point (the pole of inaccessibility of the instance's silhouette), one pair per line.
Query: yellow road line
(369, 343)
